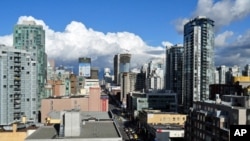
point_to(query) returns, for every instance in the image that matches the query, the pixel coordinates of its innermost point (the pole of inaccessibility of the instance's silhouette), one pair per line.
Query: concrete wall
(72, 124)
(88, 103)
(94, 99)
(61, 104)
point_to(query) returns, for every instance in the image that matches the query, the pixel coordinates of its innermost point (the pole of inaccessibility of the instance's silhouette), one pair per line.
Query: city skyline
(87, 29)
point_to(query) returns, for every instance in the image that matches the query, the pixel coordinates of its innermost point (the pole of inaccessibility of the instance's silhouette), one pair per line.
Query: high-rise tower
(18, 88)
(174, 69)
(85, 67)
(31, 37)
(121, 64)
(198, 59)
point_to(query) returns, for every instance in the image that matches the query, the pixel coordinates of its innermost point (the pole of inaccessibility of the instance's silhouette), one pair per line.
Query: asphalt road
(120, 121)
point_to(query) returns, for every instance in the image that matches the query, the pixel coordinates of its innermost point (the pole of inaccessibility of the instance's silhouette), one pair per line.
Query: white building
(18, 87)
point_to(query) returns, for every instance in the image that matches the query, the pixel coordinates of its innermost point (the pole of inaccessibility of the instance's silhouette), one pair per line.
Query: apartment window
(33, 99)
(4, 86)
(27, 72)
(4, 76)
(27, 99)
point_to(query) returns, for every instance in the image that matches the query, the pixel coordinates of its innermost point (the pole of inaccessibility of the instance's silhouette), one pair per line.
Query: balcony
(17, 61)
(17, 106)
(17, 89)
(17, 97)
(17, 83)
(16, 102)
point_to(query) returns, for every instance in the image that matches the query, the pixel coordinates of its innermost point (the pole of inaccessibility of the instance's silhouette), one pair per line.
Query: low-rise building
(163, 101)
(16, 132)
(211, 119)
(156, 125)
(94, 101)
(79, 126)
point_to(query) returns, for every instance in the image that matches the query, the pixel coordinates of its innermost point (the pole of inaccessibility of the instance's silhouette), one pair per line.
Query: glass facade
(85, 67)
(31, 37)
(198, 59)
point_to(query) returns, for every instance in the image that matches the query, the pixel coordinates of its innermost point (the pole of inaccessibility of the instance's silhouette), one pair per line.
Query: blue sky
(101, 28)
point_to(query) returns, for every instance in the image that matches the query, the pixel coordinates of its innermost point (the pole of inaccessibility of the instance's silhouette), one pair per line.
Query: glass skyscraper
(198, 59)
(121, 64)
(31, 37)
(174, 69)
(85, 67)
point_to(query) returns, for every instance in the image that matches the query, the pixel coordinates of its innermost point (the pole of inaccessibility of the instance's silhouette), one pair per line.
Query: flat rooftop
(44, 132)
(90, 130)
(99, 130)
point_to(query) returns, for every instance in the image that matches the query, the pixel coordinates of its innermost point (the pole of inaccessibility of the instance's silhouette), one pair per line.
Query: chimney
(14, 127)
(24, 119)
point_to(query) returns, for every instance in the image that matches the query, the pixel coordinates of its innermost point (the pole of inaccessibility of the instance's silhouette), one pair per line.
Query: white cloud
(6, 40)
(79, 41)
(243, 39)
(221, 39)
(235, 53)
(179, 24)
(223, 12)
(167, 44)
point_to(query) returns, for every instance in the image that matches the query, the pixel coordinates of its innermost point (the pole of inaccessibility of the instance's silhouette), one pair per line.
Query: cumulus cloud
(179, 24)
(223, 12)
(79, 41)
(235, 53)
(6, 40)
(167, 44)
(221, 39)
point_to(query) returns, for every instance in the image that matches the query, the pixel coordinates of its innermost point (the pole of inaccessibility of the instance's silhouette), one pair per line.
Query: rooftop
(100, 129)
(45, 132)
